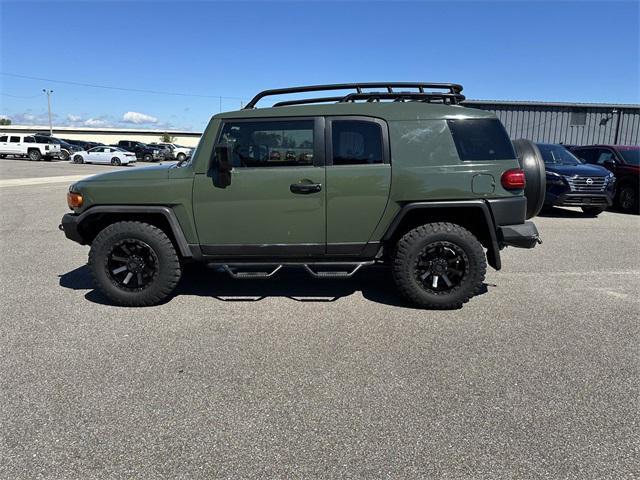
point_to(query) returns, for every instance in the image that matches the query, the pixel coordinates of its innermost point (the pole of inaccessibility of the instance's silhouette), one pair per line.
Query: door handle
(305, 188)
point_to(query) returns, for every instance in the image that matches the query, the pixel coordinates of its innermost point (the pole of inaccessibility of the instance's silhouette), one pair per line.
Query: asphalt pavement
(537, 377)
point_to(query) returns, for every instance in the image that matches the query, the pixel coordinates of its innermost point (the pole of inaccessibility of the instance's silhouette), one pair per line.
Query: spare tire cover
(532, 163)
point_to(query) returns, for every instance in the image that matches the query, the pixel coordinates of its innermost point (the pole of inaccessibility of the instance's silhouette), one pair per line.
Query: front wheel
(147, 157)
(592, 211)
(439, 265)
(64, 155)
(628, 199)
(134, 264)
(34, 155)
(181, 157)
(115, 161)
(78, 159)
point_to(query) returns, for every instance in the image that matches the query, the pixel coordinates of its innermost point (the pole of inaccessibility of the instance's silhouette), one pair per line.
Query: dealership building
(566, 123)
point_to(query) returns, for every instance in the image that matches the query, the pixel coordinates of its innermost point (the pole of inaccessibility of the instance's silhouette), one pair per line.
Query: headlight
(554, 179)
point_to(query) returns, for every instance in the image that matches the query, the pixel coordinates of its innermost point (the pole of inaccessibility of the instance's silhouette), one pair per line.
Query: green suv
(407, 178)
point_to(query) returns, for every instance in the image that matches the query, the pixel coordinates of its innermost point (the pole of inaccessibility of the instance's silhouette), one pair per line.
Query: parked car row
(45, 147)
(592, 177)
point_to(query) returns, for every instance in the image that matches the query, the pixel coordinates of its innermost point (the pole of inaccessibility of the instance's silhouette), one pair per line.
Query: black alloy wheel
(441, 267)
(132, 265)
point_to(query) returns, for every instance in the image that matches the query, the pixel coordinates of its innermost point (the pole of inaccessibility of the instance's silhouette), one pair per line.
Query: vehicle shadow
(375, 284)
(557, 212)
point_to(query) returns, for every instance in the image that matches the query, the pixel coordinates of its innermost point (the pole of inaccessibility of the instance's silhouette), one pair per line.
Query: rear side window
(481, 139)
(30, 140)
(356, 142)
(14, 140)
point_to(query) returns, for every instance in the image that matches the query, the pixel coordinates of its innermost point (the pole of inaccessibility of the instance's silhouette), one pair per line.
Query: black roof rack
(450, 95)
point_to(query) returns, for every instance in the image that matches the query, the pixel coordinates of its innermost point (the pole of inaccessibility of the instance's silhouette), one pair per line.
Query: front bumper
(69, 226)
(569, 199)
(522, 235)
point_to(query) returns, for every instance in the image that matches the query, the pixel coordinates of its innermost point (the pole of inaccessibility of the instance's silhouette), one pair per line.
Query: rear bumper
(69, 226)
(522, 235)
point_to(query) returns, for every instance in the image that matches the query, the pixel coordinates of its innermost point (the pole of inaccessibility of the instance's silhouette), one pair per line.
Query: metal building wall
(551, 123)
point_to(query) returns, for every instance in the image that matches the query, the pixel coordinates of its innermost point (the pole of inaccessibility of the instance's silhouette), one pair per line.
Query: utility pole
(49, 92)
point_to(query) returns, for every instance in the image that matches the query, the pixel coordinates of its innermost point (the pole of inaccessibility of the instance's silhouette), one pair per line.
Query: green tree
(5, 121)
(167, 138)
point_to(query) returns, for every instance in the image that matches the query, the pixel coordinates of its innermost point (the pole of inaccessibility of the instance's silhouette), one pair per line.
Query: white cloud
(95, 122)
(138, 118)
(74, 118)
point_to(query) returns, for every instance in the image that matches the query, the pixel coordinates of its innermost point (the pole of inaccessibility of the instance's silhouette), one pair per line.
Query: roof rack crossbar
(452, 93)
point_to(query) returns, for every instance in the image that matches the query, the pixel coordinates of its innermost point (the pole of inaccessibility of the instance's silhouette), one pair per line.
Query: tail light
(513, 179)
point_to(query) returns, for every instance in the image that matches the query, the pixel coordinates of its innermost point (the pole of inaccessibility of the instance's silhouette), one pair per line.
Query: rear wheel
(439, 265)
(34, 155)
(64, 155)
(115, 161)
(134, 264)
(592, 211)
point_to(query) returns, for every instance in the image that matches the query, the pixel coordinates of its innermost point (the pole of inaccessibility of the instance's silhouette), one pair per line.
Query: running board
(268, 270)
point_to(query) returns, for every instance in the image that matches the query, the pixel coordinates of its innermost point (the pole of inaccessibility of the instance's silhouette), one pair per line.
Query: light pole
(49, 92)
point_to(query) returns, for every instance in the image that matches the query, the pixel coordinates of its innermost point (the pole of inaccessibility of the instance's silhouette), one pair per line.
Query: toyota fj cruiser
(410, 179)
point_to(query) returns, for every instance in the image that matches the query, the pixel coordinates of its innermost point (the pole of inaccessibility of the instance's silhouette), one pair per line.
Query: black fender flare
(165, 211)
(493, 248)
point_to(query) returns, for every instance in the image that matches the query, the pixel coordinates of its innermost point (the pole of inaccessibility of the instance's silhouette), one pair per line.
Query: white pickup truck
(179, 152)
(20, 145)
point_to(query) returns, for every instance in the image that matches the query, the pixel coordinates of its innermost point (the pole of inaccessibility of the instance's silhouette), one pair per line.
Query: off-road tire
(64, 155)
(169, 267)
(412, 244)
(592, 211)
(181, 157)
(115, 161)
(34, 155)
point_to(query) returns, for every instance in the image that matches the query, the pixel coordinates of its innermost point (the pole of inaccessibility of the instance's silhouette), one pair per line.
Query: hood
(153, 172)
(582, 170)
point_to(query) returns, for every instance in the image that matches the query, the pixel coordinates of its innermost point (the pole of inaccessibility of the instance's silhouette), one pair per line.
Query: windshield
(557, 155)
(630, 156)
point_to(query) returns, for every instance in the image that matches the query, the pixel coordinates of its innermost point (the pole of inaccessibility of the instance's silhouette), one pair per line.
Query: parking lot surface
(299, 378)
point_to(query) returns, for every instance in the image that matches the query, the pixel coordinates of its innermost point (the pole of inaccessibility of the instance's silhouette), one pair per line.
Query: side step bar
(317, 269)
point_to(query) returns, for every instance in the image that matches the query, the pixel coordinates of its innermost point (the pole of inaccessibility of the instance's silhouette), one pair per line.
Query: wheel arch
(92, 221)
(474, 215)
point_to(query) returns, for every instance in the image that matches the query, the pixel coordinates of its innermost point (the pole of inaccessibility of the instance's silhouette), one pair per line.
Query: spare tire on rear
(532, 163)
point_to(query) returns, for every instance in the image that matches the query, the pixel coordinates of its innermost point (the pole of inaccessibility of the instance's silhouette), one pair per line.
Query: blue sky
(549, 51)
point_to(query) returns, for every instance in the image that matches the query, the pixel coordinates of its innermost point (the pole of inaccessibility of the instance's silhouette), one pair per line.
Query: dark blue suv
(571, 183)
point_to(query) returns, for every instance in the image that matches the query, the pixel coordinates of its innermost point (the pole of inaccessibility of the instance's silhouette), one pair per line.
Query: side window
(481, 139)
(14, 140)
(605, 156)
(29, 140)
(3, 138)
(273, 143)
(356, 142)
(588, 155)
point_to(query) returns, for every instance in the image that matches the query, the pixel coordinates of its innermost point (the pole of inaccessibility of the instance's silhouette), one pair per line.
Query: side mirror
(223, 155)
(609, 163)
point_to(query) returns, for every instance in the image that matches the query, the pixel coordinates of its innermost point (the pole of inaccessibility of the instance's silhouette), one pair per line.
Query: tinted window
(29, 140)
(270, 143)
(630, 156)
(557, 155)
(356, 142)
(14, 139)
(586, 154)
(481, 139)
(3, 138)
